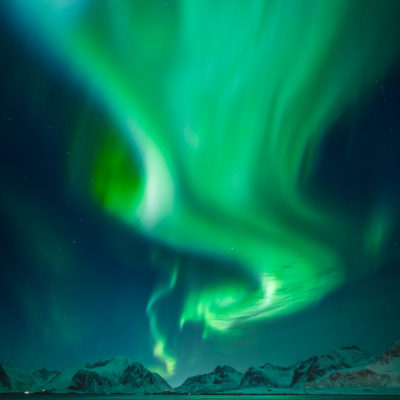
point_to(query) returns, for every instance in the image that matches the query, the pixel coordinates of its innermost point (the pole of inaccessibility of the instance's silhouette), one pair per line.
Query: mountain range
(347, 369)
(116, 375)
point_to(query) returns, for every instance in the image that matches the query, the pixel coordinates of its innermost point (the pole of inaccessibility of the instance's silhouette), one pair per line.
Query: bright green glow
(225, 104)
(160, 350)
(118, 185)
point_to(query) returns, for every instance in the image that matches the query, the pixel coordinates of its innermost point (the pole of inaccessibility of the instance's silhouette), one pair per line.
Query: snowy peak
(221, 379)
(351, 378)
(267, 375)
(318, 366)
(279, 376)
(17, 380)
(118, 374)
(304, 372)
(225, 370)
(384, 372)
(115, 375)
(255, 377)
(390, 360)
(352, 356)
(115, 365)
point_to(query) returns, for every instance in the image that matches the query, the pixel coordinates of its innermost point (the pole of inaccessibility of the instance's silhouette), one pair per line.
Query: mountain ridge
(382, 372)
(114, 375)
(346, 369)
(221, 378)
(346, 366)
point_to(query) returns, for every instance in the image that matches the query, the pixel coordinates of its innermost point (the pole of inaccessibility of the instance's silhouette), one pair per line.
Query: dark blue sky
(75, 281)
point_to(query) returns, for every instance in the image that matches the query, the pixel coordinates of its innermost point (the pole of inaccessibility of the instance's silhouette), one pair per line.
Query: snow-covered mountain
(18, 380)
(221, 379)
(316, 367)
(267, 375)
(348, 369)
(116, 375)
(390, 361)
(384, 372)
(304, 372)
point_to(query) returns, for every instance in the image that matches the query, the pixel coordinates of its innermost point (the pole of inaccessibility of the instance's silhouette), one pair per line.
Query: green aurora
(219, 111)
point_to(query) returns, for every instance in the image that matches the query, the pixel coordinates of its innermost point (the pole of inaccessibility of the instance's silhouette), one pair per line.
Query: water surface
(194, 397)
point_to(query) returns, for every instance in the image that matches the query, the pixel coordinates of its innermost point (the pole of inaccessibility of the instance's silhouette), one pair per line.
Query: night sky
(193, 183)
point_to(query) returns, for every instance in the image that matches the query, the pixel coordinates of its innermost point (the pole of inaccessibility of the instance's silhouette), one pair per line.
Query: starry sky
(193, 183)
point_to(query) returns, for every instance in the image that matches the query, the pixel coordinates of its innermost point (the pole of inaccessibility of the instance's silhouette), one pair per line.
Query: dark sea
(193, 397)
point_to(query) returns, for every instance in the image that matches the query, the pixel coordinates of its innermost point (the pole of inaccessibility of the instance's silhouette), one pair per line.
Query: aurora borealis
(214, 172)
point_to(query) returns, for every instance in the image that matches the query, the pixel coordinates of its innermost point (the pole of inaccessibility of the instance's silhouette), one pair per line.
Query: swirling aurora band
(220, 108)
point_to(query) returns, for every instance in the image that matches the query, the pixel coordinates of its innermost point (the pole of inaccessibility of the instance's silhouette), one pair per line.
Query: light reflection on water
(193, 397)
